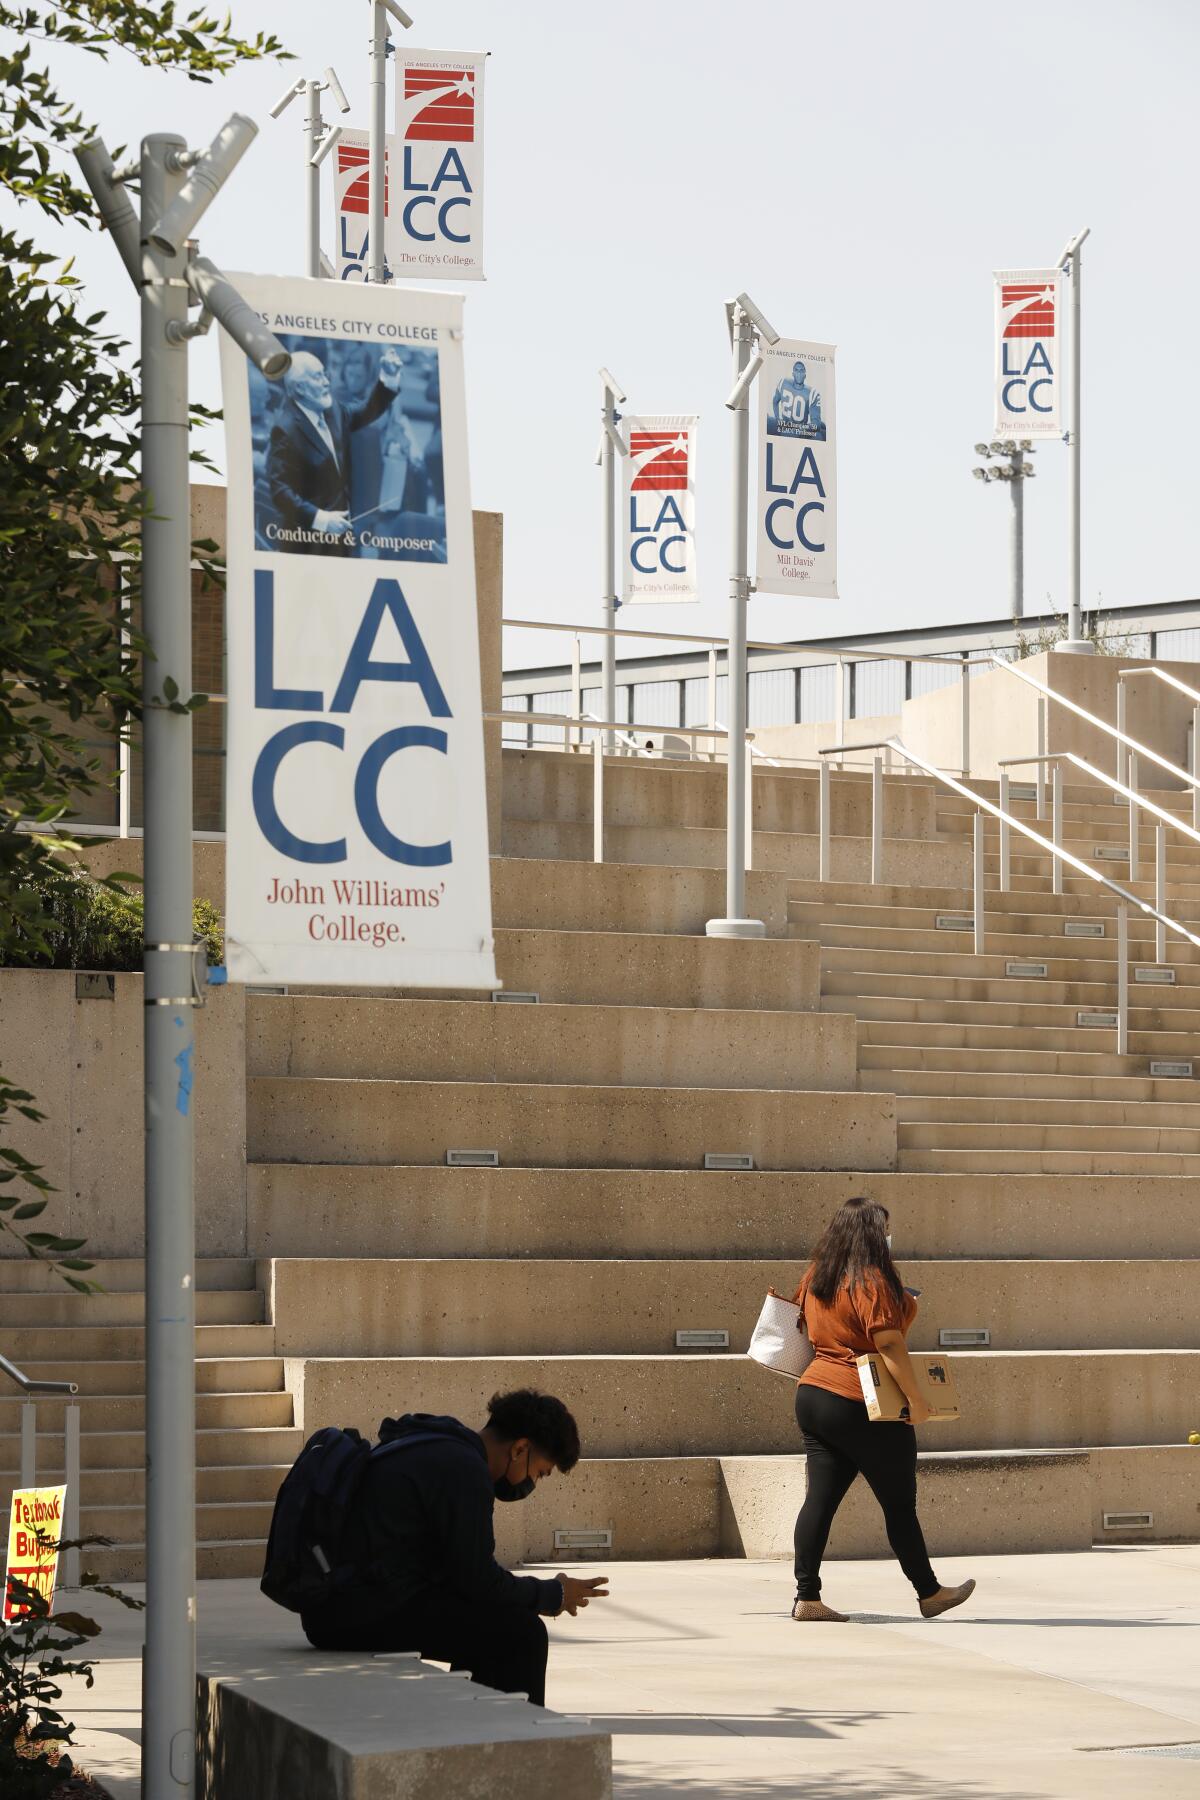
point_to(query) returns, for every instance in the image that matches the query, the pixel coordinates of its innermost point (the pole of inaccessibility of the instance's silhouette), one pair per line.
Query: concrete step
(126, 1412)
(216, 1522)
(1014, 1134)
(29, 1309)
(223, 1484)
(322, 1210)
(603, 1046)
(74, 1344)
(216, 1560)
(876, 1059)
(791, 854)
(1003, 939)
(627, 968)
(565, 1307)
(1124, 1090)
(1048, 1161)
(214, 1375)
(1070, 962)
(118, 1275)
(540, 894)
(1065, 1110)
(1148, 1024)
(538, 1125)
(727, 1405)
(877, 1030)
(221, 1446)
(851, 985)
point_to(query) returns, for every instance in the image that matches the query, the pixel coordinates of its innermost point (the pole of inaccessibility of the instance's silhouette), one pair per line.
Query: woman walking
(853, 1304)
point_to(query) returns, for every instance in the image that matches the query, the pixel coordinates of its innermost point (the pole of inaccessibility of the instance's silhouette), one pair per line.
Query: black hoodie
(423, 1518)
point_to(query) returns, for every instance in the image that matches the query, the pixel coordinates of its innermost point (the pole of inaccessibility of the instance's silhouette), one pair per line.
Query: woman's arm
(894, 1351)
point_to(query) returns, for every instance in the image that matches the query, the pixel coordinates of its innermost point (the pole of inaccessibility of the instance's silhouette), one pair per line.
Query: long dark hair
(853, 1246)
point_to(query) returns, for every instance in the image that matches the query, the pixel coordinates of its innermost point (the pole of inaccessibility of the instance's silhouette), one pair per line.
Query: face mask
(888, 1242)
(504, 1489)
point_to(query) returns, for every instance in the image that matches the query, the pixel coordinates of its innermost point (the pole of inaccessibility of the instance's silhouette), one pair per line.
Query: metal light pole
(1074, 641)
(177, 186)
(612, 445)
(1016, 475)
(319, 139)
(746, 325)
(377, 152)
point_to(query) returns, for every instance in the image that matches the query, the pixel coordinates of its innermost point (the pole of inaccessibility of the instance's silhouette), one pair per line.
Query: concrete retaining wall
(83, 1061)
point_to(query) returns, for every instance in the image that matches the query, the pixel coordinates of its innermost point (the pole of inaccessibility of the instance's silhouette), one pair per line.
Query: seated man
(428, 1579)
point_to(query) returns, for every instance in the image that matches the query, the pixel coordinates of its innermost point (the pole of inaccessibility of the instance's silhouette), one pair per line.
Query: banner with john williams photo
(356, 820)
(796, 497)
(660, 509)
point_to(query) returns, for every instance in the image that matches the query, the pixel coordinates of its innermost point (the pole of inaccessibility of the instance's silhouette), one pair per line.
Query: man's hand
(391, 370)
(333, 524)
(578, 1593)
(918, 1412)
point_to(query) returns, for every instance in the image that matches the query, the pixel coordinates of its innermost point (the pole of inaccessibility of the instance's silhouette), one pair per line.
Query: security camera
(238, 317)
(285, 99)
(398, 13)
(759, 320)
(613, 385)
(208, 175)
(337, 90)
(326, 144)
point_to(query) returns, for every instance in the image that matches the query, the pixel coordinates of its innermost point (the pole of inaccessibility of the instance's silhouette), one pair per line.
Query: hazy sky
(860, 168)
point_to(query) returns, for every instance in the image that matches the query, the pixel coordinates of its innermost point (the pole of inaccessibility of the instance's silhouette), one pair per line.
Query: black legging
(841, 1442)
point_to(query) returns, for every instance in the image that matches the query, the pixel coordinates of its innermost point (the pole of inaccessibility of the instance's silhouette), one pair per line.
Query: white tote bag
(780, 1342)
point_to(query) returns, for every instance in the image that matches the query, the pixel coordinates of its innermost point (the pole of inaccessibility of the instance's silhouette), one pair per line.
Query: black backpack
(308, 1557)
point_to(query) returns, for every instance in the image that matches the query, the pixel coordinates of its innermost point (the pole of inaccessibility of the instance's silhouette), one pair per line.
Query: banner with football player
(659, 531)
(435, 220)
(1028, 311)
(797, 471)
(356, 819)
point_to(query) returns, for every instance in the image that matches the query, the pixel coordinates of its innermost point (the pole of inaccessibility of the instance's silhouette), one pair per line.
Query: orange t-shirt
(845, 1329)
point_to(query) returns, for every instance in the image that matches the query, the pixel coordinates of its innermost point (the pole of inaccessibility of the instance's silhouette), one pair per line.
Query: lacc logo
(658, 528)
(1026, 343)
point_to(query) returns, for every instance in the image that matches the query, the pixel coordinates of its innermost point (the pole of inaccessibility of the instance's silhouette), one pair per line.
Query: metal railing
(1124, 675)
(30, 1385)
(1009, 822)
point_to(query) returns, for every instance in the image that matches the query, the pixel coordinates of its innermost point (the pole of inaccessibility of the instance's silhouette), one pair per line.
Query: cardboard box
(884, 1398)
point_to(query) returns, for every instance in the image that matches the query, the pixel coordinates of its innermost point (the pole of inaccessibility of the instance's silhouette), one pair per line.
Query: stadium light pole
(177, 186)
(377, 150)
(1075, 642)
(747, 329)
(319, 139)
(612, 446)
(1016, 475)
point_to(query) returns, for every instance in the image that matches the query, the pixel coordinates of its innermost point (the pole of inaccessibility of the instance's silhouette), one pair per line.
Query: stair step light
(976, 1337)
(514, 999)
(1110, 853)
(472, 1159)
(1154, 975)
(1085, 928)
(1107, 1020)
(728, 1159)
(702, 1340)
(579, 1538)
(1032, 971)
(951, 922)
(1127, 1521)
(1174, 1065)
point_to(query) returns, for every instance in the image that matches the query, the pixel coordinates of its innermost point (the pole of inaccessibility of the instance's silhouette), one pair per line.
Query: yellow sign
(34, 1530)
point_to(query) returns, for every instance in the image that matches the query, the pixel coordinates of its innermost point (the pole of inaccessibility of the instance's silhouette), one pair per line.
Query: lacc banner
(356, 818)
(435, 223)
(660, 509)
(797, 471)
(1028, 310)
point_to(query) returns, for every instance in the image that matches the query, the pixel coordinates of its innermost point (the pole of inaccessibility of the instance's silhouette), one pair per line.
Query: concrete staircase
(1041, 1187)
(245, 1436)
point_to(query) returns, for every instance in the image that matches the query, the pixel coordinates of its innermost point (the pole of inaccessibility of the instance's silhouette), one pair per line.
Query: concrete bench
(292, 1723)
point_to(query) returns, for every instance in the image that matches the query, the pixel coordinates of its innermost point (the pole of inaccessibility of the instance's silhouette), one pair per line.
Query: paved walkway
(1060, 1664)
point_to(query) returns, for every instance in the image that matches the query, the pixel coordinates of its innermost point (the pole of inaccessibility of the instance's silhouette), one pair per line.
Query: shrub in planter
(88, 925)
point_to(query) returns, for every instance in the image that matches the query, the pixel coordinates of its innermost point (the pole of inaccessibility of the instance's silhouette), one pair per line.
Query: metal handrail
(1172, 680)
(1055, 850)
(953, 659)
(1112, 731)
(29, 1385)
